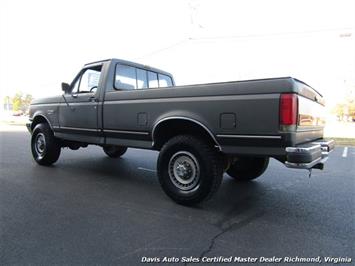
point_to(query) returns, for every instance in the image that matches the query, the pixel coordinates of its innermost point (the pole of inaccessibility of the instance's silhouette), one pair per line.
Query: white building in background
(5, 107)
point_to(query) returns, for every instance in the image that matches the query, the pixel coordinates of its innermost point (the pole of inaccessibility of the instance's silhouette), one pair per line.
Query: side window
(142, 80)
(153, 79)
(165, 81)
(125, 78)
(132, 78)
(88, 81)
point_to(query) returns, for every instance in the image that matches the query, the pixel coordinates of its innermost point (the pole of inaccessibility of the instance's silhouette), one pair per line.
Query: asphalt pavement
(89, 209)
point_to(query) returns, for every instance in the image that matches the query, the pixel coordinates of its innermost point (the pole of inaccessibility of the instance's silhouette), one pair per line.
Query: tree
(17, 101)
(345, 110)
(352, 110)
(27, 101)
(339, 110)
(20, 102)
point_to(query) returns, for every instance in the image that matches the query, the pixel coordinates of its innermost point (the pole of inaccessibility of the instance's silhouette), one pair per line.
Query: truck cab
(80, 112)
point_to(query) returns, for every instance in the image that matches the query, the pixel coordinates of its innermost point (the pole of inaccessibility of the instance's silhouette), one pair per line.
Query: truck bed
(244, 115)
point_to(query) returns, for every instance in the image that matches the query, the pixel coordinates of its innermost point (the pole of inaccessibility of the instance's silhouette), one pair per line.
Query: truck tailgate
(310, 114)
(311, 119)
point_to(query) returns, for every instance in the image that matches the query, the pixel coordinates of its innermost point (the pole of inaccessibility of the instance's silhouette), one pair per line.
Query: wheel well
(37, 120)
(173, 127)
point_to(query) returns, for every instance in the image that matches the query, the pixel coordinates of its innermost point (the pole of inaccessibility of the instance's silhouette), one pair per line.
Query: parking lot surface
(90, 209)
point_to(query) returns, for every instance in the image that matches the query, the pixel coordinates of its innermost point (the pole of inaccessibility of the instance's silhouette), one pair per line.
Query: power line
(247, 36)
(164, 48)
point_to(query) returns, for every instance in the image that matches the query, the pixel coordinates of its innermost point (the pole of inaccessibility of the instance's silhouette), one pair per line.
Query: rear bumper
(310, 155)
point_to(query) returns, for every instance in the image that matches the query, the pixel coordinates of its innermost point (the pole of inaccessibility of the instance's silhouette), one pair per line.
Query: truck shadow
(240, 196)
(235, 205)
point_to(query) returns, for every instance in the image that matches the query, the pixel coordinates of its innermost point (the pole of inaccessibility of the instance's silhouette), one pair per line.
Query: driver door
(78, 114)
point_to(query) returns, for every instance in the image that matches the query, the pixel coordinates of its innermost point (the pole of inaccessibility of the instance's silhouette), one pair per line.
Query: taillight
(288, 109)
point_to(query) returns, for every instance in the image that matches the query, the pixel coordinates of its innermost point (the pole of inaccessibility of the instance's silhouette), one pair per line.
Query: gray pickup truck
(200, 131)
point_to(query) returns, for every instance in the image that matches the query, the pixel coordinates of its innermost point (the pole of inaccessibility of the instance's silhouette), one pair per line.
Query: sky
(44, 43)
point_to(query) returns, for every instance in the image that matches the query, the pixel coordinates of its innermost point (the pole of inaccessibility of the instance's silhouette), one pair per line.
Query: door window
(88, 81)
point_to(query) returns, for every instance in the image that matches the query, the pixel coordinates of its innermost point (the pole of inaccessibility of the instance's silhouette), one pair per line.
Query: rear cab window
(135, 78)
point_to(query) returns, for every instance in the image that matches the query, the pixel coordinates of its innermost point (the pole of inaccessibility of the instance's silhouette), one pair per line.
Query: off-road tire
(202, 156)
(44, 146)
(114, 151)
(248, 168)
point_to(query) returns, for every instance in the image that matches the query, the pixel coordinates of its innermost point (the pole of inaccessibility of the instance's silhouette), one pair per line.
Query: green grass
(343, 141)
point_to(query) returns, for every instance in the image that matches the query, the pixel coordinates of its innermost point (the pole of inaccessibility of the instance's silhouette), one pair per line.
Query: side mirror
(65, 87)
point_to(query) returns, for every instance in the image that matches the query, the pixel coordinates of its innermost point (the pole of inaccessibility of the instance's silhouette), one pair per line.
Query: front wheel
(44, 146)
(189, 169)
(248, 168)
(114, 151)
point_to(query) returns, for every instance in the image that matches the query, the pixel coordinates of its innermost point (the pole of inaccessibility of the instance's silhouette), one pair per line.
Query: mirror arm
(65, 100)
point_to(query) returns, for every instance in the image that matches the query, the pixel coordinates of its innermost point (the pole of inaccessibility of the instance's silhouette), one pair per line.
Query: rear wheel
(248, 168)
(114, 151)
(44, 146)
(189, 169)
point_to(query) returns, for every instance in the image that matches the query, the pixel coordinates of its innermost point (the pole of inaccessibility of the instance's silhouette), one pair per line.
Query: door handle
(92, 99)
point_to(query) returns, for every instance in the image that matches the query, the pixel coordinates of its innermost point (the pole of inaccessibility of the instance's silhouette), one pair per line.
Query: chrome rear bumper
(310, 155)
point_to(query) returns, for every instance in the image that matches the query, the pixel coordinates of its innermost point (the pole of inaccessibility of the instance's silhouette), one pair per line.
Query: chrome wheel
(184, 170)
(40, 144)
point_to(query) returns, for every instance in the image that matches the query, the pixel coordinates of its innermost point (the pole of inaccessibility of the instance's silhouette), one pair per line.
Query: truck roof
(130, 63)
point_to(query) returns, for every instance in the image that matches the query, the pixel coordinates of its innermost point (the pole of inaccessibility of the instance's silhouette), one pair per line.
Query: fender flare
(37, 116)
(186, 119)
